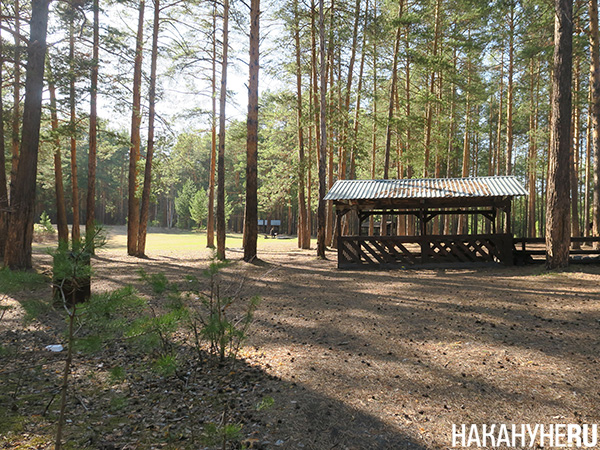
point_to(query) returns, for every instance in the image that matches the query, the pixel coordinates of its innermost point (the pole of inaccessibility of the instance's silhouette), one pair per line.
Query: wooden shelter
(489, 197)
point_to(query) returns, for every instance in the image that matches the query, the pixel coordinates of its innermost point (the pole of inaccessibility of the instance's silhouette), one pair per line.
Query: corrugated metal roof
(500, 186)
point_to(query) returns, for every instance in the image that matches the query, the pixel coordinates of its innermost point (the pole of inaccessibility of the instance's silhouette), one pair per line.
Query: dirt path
(391, 359)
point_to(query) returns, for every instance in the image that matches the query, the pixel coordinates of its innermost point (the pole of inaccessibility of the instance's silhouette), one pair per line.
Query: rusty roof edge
(494, 186)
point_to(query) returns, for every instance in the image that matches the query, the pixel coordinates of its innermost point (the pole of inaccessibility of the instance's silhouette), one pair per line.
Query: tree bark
(574, 163)
(498, 155)
(210, 221)
(303, 228)
(374, 124)
(221, 159)
(509, 90)
(532, 156)
(61, 209)
(75, 231)
(90, 217)
(558, 226)
(321, 219)
(330, 113)
(428, 107)
(145, 208)
(133, 204)
(588, 171)
(251, 219)
(16, 119)
(463, 218)
(3, 185)
(595, 112)
(17, 253)
(357, 105)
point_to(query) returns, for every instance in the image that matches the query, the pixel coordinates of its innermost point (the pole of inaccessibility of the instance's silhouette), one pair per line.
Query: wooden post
(507, 225)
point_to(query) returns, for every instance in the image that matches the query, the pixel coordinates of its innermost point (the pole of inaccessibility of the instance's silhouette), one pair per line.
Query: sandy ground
(392, 359)
(384, 359)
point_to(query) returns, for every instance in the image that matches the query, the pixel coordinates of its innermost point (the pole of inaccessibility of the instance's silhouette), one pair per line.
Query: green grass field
(160, 240)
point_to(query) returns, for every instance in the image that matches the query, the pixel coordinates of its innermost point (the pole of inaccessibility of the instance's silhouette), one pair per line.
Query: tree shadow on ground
(143, 409)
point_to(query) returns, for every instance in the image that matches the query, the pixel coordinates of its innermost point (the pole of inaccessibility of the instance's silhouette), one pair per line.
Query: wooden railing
(521, 244)
(394, 251)
(398, 251)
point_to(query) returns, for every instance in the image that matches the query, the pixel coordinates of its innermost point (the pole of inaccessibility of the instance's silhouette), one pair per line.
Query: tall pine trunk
(90, 217)
(303, 228)
(61, 209)
(221, 158)
(498, 152)
(145, 208)
(428, 107)
(17, 254)
(357, 104)
(374, 124)
(595, 112)
(558, 226)
(3, 186)
(532, 154)
(93, 136)
(16, 118)
(509, 91)
(75, 231)
(588, 171)
(574, 163)
(210, 221)
(390, 116)
(321, 219)
(133, 204)
(251, 218)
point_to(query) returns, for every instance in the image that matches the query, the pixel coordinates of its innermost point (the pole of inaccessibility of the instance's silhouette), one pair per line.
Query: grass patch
(12, 281)
(11, 422)
(34, 308)
(169, 241)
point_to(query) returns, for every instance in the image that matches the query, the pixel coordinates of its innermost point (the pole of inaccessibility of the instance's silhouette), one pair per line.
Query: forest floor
(335, 359)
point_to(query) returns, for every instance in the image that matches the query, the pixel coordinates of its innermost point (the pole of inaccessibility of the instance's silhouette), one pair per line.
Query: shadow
(391, 359)
(142, 409)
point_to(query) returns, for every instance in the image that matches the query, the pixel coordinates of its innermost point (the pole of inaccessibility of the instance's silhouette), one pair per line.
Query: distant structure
(268, 225)
(428, 220)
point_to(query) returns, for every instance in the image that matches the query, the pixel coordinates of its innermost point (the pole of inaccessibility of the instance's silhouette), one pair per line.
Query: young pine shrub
(212, 321)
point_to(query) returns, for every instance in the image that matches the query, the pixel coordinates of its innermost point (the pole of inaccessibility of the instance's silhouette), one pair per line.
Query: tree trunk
(91, 187)
(303, 233)
(330, 113)
(145, 208)
(463, 218)
(61, 209)
(532, 157)
(251, 219)
(558, 226)
(357, 105)
(75, 231)
(3, 186)
(133, 205)
(17, 253)
(16, 119)
(500, 107)
(388, 131)
(314, 107)
(588, 172)
(574, 163)
(210, 222)
(321, 219)
(428, 107)
(374, 125)
(595, 112)
(509, 90)
(221, 160)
